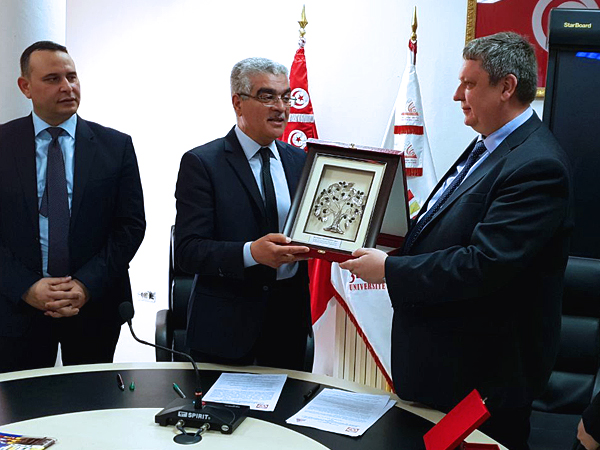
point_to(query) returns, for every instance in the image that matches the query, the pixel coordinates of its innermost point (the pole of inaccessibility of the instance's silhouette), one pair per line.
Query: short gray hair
(506, 53)
(243, 70)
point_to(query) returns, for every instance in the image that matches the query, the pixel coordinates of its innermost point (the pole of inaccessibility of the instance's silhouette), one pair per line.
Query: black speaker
(572, 112)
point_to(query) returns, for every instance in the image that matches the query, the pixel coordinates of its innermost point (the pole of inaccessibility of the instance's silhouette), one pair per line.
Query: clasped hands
(57, 297)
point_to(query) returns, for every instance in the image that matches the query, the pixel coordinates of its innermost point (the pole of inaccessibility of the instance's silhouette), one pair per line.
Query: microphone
(198, 414)
(126, 312)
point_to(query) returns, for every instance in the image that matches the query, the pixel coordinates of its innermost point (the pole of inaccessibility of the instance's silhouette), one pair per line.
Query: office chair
(575, 378)
(171, 323)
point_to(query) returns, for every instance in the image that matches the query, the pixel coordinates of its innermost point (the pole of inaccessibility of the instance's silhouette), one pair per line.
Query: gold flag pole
(413, 36)
(303, 22)
(413, 39)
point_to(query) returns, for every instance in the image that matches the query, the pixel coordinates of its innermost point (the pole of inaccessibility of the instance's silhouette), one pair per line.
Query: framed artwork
(527, 17)
(341, 198)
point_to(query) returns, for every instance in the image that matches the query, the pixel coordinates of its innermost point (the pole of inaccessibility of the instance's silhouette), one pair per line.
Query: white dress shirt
(282, 193)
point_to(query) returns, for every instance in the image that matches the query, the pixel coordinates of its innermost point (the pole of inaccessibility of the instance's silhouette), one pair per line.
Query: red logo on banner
(411, 109)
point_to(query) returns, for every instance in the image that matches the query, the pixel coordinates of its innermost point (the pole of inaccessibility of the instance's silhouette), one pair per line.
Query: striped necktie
(412, 236)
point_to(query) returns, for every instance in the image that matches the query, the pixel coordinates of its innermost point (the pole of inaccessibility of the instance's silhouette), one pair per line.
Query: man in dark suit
(588, 430)
(477, 292)
(250, 299)
(71, 220)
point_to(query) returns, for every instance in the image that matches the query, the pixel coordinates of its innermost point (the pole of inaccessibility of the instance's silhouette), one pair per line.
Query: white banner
(369, 306)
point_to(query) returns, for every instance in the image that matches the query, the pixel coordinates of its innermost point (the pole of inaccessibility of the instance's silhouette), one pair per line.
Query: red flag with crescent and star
(301, 125)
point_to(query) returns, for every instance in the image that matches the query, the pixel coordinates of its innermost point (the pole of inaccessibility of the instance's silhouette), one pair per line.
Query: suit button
(265, 288)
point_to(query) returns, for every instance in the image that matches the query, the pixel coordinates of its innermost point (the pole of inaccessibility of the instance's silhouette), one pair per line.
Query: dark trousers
(283, 337)
(83, 340)
(266, 352)
(510, 427)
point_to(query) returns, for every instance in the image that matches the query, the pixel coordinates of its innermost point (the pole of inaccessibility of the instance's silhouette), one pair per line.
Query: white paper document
(342, 412)
(258, 391)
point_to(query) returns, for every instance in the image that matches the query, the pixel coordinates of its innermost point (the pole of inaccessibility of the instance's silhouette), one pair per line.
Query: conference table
(83, 407)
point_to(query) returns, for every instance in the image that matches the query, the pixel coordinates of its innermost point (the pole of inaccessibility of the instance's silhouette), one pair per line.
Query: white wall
(23, 22)
(159, 70)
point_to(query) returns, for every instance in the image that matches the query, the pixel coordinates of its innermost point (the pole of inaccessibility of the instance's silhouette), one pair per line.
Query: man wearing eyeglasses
(250, 302)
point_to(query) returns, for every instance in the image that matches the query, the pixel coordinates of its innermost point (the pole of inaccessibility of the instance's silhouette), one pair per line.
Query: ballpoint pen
(120, 382)
(178, 390)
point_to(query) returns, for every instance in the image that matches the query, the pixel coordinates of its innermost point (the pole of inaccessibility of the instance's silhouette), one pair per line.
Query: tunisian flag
(301, 126)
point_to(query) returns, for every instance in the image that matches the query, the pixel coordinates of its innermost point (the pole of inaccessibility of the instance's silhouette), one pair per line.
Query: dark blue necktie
(412, 236)
(269, 191)
(55, 206)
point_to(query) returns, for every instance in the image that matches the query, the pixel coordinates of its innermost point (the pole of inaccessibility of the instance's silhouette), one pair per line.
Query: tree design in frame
(342, 203)
(339, 202)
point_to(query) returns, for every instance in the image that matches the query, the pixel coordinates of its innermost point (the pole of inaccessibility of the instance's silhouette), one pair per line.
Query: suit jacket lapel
(85, 149)
(500, 152)
(441, 181)
(22, 145)
(237, 159)
(513, 140)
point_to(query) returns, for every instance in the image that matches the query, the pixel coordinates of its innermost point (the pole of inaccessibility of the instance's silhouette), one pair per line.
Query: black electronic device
(188, 412)
(571, 110)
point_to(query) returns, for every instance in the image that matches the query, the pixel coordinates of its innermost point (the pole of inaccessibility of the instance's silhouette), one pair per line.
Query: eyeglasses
(271, 99)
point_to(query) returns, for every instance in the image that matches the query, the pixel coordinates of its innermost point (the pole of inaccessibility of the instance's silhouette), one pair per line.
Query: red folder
(458, 424)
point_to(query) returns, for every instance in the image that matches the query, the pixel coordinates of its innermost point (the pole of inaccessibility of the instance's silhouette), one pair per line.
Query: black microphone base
(223, 418)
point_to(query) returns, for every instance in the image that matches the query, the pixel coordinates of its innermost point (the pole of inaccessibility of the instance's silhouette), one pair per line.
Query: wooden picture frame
(341, 198)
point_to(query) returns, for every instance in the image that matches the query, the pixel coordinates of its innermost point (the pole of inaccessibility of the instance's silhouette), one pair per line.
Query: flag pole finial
(303, 22)
(413, 36)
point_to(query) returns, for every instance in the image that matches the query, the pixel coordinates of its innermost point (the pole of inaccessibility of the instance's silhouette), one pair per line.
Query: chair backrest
(575, 378)
(180, 288)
